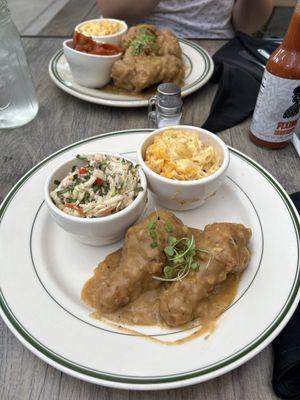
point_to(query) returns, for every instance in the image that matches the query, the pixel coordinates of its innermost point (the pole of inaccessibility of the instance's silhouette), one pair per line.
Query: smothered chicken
(140, 260)
(167, 273)
(225, 253)
(151, 56)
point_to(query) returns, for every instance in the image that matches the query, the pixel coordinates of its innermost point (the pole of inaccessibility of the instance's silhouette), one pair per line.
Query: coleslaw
(103, 185)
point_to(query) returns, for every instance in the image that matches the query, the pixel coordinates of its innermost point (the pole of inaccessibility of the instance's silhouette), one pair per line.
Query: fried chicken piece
(227, 245)
(133, 33)
(168, 44)
(138, 263)
(172, 70)
(138, 73)
(101, 272)
(149, 61)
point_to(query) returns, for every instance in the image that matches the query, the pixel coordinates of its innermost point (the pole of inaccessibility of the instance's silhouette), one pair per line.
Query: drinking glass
(18, 101)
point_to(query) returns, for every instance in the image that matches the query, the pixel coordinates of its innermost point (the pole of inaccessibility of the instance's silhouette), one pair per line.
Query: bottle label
(277, 109)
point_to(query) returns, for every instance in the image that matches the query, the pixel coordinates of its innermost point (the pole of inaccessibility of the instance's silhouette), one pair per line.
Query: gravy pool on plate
(167, 274)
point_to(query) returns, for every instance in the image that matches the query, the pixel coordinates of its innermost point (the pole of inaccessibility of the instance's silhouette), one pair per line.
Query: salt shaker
(165, 108)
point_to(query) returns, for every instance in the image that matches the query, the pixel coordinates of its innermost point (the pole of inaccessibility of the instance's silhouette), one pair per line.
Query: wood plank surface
(43, 18)
(93, 13)
(74, 12)
(63, 120)
(25, 13)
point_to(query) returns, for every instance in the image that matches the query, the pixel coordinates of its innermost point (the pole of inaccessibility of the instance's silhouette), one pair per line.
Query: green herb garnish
(85, 198)
(168, 227)
(145, 40)
(168, 272)
(70, 200)
(151, 225)
(181, 257)
(82, 158)
(152, 233)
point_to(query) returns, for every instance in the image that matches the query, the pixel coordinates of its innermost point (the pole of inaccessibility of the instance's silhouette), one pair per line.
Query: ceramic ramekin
(185, 195)
(95, 231)
(89, 70)
(114, 38)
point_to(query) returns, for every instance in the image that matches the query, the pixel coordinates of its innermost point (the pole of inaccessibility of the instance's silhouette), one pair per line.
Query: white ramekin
(95, 231)
(114, 38)
(89, 70)
(185, 195)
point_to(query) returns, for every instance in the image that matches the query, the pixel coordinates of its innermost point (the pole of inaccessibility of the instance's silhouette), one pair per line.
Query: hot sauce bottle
(277, 108)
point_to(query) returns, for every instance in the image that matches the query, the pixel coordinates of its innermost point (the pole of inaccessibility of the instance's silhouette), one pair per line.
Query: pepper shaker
(165, 108)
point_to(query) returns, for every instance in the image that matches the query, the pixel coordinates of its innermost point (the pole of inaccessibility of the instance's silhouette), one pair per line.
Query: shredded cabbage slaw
(103, 185)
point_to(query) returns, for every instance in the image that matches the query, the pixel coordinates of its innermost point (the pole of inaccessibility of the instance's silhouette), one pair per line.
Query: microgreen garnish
(151, 225)
(168, 227)
(144, 40)
(181, 259)
(195, 265)
(152, 233)
(168, 272)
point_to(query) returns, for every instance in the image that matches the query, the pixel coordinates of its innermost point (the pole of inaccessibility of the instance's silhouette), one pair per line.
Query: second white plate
(199, 68)
(43, 270)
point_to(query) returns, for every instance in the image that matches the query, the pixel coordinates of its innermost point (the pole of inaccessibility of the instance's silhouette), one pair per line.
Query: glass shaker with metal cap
(165, 108)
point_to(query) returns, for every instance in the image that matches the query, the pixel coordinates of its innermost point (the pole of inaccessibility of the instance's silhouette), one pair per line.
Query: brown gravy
(146, 94)
(145, 309)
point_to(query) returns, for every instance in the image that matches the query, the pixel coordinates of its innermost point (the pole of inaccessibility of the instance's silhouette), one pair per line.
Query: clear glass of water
(18, 101)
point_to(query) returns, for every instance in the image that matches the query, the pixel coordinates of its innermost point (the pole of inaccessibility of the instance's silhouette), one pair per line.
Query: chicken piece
(168, 44)
(138, 263)
(133, 33)
(151, 56)
(138, 73)
(228, 253)
(172, 70)
(102, 272)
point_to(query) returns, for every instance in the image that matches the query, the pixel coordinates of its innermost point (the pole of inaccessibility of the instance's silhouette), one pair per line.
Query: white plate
(43, 270)
(199, 68)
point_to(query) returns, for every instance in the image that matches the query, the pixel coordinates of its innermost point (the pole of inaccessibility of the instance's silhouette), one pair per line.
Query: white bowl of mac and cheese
(184, 165)
(105, 30)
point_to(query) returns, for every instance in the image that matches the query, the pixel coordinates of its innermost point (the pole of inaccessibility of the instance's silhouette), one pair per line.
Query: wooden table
(62, 120)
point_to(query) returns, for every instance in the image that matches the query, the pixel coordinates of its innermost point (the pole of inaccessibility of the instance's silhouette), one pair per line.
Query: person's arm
(126, 9)
(250, 15)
